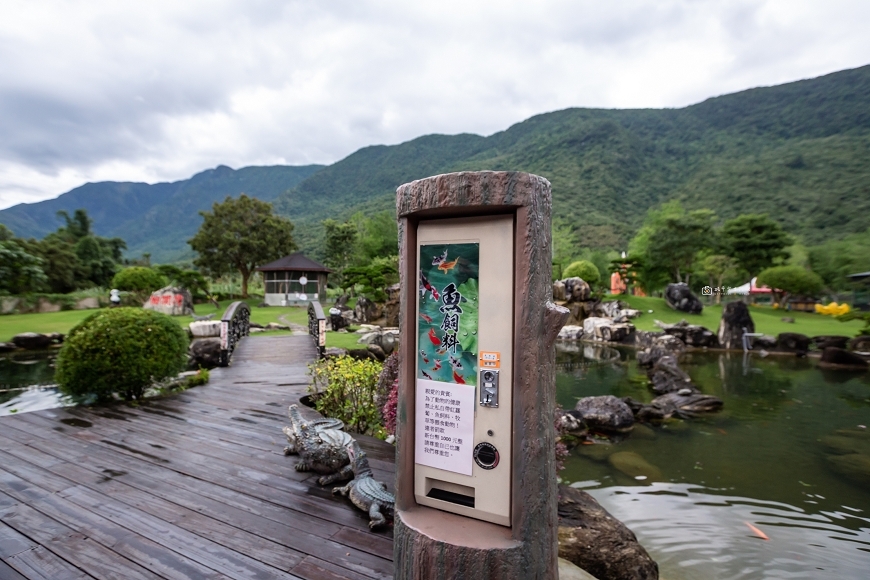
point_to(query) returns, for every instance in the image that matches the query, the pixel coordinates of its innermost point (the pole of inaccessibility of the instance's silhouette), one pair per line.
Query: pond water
(780, 457)
(27, 382)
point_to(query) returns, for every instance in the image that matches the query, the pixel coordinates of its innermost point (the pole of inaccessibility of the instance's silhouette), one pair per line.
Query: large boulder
(793, 342)
(824, 341)
(690, 334)
(606, 330)
(570, 332)
(366, 311)
(205, 328)
(833, 357)
(33, 340)
(679, 297)
(576, 290)
(594, 540)
(204, 353)
(605, 413)
(7, 346)
(666, 376)
(735, 321)
(385, 340)
(558, 291)
(171, 300)
(860, 343)
(645, 339)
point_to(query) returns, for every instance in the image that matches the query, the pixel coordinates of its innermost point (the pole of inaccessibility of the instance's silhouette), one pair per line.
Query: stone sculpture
(367, 493)
(323, 452)
(296, 421)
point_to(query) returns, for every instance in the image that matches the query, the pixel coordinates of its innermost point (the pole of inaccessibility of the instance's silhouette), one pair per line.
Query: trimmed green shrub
(346, 389)
(121, 350)
(585, 270)
(139, 279)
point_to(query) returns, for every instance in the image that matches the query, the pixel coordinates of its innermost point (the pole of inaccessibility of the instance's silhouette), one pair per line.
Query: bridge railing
(235, 323)
(317, 326)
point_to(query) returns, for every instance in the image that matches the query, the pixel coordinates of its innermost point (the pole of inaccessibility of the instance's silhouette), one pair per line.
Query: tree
(59, 262)
(755, 241)
(719, 268)
(20, 272)
(340, 244)
(787, 281)
(377, 236)
(372, 278)
(190, 279)
(239, 235)
(585, 270)
(674, 244)
(139, 279)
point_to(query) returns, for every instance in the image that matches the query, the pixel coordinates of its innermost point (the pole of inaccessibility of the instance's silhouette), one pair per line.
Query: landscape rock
(87, 303)
(334, 352)
(276, 326)
(572, 422)
(787, 319)
(607, 330)
(386, 340)
(171, 300)
(44, 305)
(690, 334)
(735, 321)
(32, 340)
(793, 342)
(361, 354)
(763, 342)
(860, 343)
(576, 290)
(635, 466)
(340, 316)
(377, 351)
(666, 376)
(205, 328)
(366, 311)
(679, 297)
(854, 466)
(8, 305)
(558, 291)
(689, 404)
(7, 346)
(836, 341)
(570, 332)
(204, 353)
(605, 413)
(595, 541)
(569, 571)
(833, 357)
(666, 342)
(391, 308)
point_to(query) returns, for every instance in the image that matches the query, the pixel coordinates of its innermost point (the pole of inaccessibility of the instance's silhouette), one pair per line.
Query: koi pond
(777, 485)
(27, 382)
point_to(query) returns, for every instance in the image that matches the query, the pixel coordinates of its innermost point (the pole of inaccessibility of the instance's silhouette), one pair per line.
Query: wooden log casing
(432, 544)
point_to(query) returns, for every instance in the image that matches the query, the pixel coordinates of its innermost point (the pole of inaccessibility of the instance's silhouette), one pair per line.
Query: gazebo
(294, 279)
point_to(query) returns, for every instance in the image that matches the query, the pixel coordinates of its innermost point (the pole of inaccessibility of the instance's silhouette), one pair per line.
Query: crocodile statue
(365, 491)
(323, 452)
(296, 421)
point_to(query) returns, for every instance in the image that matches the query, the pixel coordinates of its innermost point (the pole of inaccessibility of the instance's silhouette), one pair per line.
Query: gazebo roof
(297, 262)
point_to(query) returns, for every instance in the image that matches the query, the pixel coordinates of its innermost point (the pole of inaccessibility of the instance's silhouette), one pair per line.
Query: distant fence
(235, 324)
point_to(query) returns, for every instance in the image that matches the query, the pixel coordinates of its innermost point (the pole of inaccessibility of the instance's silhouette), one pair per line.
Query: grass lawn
(767, 320)
(62, 322)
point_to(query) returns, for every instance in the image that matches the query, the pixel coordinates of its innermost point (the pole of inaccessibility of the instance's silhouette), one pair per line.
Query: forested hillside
(159, 218)
(800, 152)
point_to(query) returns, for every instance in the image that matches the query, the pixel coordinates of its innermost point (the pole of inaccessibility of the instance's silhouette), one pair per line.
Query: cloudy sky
(155, 91)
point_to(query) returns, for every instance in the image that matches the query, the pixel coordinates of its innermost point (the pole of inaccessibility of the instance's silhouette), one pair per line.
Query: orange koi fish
(458, 378)
(445, 266)
(433, 337)
(757, 532)
(426, 317)
(437, 365)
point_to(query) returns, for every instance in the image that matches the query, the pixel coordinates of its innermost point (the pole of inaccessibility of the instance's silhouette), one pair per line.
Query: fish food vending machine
(475, 441)
(464, 321)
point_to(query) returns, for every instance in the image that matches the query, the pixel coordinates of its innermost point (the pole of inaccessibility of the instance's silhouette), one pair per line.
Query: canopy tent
(750, 288)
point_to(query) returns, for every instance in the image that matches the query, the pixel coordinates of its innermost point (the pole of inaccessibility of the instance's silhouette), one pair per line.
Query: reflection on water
(27, 382)
(789, 454)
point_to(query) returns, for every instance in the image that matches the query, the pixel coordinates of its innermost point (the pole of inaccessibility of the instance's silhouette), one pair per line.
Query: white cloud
(160, 90)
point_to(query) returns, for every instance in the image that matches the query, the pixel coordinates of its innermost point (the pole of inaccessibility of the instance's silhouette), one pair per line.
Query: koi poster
(448, 313)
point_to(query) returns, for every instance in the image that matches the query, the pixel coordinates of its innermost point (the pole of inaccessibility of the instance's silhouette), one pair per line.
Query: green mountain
(159, 218)
(799, 152)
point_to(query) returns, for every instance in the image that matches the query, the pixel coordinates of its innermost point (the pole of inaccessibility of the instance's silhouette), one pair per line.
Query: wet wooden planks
(191, 486)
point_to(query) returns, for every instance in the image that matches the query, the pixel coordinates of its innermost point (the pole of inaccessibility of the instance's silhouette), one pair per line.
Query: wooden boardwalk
(190, 486)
